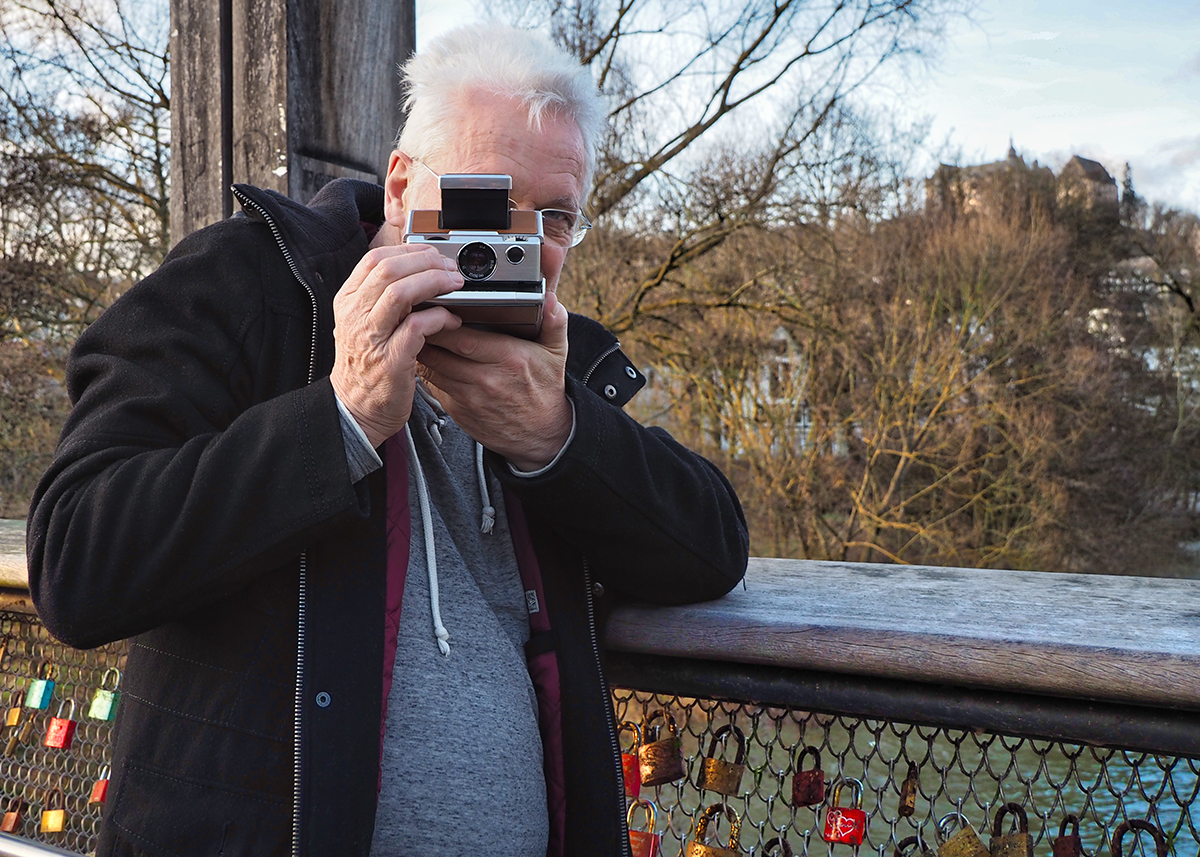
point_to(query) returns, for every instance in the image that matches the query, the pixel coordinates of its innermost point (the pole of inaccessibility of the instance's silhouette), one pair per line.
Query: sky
(1116, 81)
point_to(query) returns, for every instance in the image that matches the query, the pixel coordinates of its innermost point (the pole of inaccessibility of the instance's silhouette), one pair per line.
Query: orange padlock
(12, 816)
(100, 788)
(54, 816)
(61, 730)
(643, 843)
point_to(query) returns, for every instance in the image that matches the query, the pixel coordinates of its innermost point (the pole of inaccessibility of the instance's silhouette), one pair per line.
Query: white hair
(505, 62)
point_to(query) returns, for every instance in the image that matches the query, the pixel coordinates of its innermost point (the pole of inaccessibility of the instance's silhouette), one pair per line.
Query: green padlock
(41, 689)
(104, 703)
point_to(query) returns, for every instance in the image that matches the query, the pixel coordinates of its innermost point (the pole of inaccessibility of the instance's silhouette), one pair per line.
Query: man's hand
(507, 393)
(378, 335)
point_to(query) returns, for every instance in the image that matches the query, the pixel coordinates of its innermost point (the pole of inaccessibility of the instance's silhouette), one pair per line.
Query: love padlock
(777, 847)
(808, 786)
(643, 843)
(660, 760)
(908, 791)
(41, 688)
(61, 730)
(13, 717)
(104, 703)
(100, 788)
(630, 767)
(964, 843)
(846, 825)
(1068, 844)
(1160, 841)
(11, 822)
(54, 816)
(912, 846)
(699, 847)
(18, 737)
(715, 773)
(1013, 844)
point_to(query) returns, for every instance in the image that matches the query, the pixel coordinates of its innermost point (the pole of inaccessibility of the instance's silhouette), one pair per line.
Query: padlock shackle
(963, 824)
(62, 799)
(908, 842)
(1160, 841)
(778, 842)
(635, 729)
(809, 750)
(1072, 820)
(721, 735)
(60, 708)
(116, 681)
(48, 667)
(735, 824)
(654, 715)
(856, 787)
(650, 811)
(105, 772)
(1018, 812)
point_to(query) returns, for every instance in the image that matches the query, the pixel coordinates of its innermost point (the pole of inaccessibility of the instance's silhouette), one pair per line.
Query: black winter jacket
(199, 502)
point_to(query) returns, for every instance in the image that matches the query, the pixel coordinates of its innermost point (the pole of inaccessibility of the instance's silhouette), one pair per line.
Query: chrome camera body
(498, 251)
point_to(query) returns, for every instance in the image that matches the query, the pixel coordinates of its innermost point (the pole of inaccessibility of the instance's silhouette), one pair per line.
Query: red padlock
(630, 766)
(846, 825)
(808, 787)
(643, 843)
(12, 816)
(61, 730)
(100, 788)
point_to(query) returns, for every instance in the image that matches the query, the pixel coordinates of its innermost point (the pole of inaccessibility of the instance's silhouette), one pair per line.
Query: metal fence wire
(963, 771)
(974, 773)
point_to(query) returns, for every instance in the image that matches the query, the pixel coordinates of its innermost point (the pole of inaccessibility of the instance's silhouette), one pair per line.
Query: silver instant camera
(498, 251)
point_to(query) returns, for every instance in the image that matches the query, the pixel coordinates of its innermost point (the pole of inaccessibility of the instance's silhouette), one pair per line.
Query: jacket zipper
(614, 743)
(297, 773)
(587, 376)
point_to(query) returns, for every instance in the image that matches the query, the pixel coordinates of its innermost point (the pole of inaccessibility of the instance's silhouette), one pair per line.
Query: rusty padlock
(780, 844)
(104, 702)
(912, 846)
(964, 843)
(908, 791)
(808, 786)
(699, 846)
(643, 843)
(11, 822)
(1160, 840)
(1068, 844)
(846, 825)
(13, 717)
(661, 760)
(61, 730)
(715, 773)
(100, 788)
(41, 688)
(54, 816)
(1016, 843)
(630, 767)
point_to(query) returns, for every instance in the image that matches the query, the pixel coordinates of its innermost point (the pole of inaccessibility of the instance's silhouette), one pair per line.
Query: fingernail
(449, 264)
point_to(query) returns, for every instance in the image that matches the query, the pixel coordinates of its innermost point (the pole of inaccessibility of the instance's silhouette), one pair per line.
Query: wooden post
(281, 95)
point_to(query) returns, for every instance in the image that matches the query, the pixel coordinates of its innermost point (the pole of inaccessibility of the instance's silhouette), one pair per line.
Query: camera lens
(476, 261)
(515, 254)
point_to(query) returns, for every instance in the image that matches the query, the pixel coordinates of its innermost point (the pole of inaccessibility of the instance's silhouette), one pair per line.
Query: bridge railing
(1062, 694)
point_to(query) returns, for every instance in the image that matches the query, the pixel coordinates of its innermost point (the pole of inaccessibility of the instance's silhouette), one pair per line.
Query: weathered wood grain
(1127, 639)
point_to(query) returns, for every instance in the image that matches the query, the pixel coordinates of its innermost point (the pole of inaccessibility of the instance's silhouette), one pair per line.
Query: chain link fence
(973, 773)
(965, 771)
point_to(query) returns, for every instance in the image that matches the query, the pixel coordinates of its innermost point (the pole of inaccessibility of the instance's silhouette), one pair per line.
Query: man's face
(493, 136)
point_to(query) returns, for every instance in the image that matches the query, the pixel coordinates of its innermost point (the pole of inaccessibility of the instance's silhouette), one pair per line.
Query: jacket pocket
(165, 814)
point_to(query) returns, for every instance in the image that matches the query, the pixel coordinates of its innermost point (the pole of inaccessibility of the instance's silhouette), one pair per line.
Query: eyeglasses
(561, 228)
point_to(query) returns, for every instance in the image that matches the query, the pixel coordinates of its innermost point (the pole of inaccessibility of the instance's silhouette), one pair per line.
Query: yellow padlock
(54, 816)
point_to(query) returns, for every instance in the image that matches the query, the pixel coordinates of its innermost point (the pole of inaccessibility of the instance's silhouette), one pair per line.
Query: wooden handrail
(1124, 639)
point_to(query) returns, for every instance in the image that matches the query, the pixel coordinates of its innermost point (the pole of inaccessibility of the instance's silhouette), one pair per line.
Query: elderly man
(363, 552)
